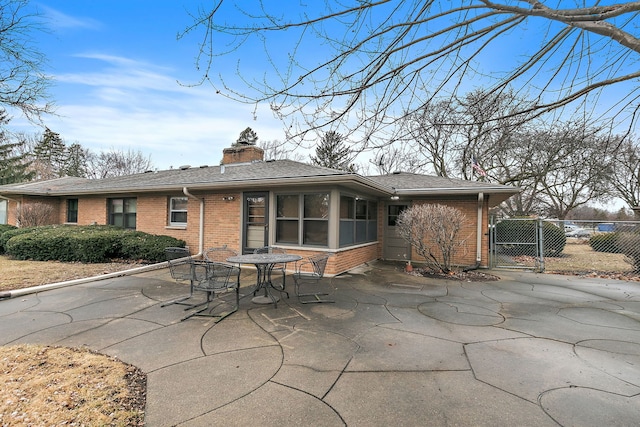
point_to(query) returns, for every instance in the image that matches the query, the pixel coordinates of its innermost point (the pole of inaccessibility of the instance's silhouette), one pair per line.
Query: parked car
(578, 232)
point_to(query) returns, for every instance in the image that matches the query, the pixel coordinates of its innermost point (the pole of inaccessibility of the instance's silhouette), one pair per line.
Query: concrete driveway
(527, 350)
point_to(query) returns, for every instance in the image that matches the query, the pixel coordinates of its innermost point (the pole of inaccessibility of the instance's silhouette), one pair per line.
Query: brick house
(247, 202)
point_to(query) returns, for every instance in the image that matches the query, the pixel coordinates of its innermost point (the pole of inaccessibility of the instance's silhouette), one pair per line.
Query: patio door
(256, 221)
(395, 247)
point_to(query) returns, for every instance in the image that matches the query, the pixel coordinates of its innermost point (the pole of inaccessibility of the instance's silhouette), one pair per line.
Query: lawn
(64, 386)
(24, 274)
(579, 258)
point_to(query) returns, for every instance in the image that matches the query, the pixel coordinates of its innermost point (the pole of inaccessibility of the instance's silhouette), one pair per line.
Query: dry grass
(61, 386)
(580, 259)
(24, 274)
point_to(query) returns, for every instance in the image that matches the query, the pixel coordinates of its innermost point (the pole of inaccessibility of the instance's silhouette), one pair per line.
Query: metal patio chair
(180, 265)
(280, 268)
(215, 279)
(308, 274)
(219, 254)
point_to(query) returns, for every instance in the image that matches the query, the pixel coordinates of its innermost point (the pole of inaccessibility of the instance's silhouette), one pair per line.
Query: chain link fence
(573, 247)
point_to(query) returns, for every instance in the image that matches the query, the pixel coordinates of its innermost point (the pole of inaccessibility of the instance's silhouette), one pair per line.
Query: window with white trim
(178, 210)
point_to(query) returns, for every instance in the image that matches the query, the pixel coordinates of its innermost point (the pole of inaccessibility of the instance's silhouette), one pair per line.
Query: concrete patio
(395, 349)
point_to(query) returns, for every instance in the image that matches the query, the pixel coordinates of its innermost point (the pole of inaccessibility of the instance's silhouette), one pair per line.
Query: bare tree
(576, 163)
(23, 84)
(625, 178)
(434, 232)
(278, 150)
(374, 62)
(403, 157)
(112, 163)
(35, 214)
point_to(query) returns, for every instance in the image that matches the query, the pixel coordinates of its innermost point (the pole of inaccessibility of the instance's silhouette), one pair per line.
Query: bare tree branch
(374, 63)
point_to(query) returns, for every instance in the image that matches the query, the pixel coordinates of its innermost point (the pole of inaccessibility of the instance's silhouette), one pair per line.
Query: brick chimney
(242, 154)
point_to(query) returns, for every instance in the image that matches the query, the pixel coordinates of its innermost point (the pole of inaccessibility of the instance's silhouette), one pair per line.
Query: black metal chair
(180, 265)
(215, 279)
(280, 268)
(308, 274)
(219, 254)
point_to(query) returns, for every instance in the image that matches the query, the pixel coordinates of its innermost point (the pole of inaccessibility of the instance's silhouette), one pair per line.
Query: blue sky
(117, 65)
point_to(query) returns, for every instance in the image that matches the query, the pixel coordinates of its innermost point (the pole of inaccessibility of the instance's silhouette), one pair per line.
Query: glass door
(256, 221)
(395, 247)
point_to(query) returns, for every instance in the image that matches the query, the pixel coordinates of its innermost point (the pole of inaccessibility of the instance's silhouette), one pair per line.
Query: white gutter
(201, 237)
(57, 285)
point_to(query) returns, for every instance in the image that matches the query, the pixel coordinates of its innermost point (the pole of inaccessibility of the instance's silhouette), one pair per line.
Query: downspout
(201, 232)
(478, 234)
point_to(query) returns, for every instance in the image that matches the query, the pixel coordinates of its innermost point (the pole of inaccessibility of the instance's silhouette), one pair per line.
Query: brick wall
(466, 255)
(242, 154)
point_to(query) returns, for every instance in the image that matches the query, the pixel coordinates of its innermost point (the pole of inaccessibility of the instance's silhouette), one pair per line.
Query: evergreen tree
(76, 161)
(247, 137)
(50, 155)
(14, 168)
(333, 153)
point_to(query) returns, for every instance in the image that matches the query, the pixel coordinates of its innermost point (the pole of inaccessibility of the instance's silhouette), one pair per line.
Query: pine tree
(76, 162)
(50, 156)
(14, 168)
(333, 153)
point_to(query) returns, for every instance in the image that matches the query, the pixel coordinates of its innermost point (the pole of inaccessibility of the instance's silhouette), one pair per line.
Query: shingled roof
(257, 175)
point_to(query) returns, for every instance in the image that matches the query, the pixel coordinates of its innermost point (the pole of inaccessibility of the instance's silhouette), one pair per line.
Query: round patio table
(264, 265)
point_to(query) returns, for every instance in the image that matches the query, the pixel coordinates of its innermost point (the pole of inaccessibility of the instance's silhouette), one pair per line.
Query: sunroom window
(302, 219)
(358, 220)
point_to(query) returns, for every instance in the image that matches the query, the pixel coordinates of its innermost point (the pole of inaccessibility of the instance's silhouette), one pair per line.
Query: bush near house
(629, 244)
(3, 228)
(89, 244)
(518, 232)
(607, 243)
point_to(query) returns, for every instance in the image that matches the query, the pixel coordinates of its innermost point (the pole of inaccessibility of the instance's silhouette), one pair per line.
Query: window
(178, 210)
(3, 211)
(394, 212)
(303, 219)
(358, 220)
(122, 212)
(287, 219)
(72, 210)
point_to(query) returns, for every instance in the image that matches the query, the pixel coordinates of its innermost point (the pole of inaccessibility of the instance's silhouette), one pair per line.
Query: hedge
(4, 228)
(606, 242)
(89, 244)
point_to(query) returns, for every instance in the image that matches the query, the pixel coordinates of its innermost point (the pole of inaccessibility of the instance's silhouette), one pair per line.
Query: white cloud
(130, 104)
(59, 21)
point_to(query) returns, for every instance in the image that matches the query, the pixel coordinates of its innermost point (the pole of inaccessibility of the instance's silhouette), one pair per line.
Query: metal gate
(517, 243)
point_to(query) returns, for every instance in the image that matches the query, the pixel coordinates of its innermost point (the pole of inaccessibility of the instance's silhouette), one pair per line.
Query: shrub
(518, 237)
(89, 244)
(433, 231)
(7, 235)
(3, 229)
(605, 243)
(629, 244)
(149, 247)
(35, 214)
